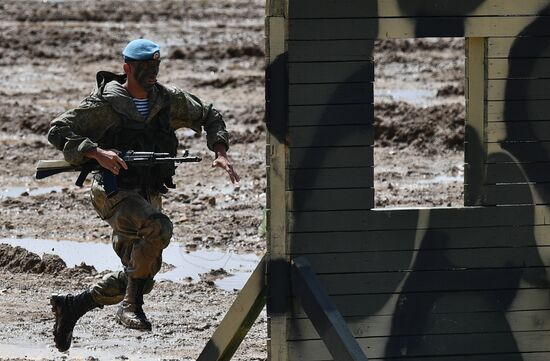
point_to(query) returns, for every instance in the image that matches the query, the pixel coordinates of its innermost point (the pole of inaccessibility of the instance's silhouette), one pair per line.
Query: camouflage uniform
(109, 119)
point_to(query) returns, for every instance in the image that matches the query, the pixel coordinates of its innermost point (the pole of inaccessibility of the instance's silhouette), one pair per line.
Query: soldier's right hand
(108, 159)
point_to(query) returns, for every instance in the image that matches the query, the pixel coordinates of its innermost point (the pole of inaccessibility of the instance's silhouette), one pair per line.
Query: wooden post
(326, 319)
(475, 152)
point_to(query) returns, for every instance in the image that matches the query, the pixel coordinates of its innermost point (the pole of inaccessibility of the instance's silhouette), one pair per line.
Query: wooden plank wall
(433, 284)
(518, 120)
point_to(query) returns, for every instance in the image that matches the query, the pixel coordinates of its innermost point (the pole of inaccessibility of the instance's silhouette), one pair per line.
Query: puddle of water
(413, 96)
(187, 264)
(443, 179)
(37, 351)
(18, 191)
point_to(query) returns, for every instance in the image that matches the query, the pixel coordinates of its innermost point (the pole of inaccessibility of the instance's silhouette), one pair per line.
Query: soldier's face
(145, 73)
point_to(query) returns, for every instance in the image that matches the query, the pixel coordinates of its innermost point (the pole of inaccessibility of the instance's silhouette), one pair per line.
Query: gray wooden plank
(313, 94)
(419, 8)
(433, 345)
(531, 131)
(504, 194)
(481, 301)
(416, 218)
(508, 173)
(441, 323)
(523, 152)
(384, 28)
(331, 50)
(432, 260)
(404, 240)
(530, 47)
(518, 89)
(320, 115)
(344, 157)
(520, 110)
(331, 178)
(331, 199)
(331, 72)
(331, 136)
(533, 68)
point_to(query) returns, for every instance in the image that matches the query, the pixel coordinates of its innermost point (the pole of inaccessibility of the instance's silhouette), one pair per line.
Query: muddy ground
(50, 52)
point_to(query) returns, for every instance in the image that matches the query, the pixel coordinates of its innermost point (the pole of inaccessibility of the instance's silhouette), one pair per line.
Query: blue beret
(140, 50)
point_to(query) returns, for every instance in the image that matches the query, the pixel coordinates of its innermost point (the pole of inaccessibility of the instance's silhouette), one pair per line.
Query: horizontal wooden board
(419, 8)
(518, 131)
(345, 157)
(331, 136)
(522, 47)
(443, 323)
(533, 68)
(517, 173)
(366, 305)
(530, 356)
(429, 281)
(519, 110)
(433, 345)
(330, 50)
(503, 194)
(523, 152)
(404, 240)
(312, 94)
(331, 178)
(331, 72)
(331, 114)
(416, 218)
(367, 28)
(429, 260)
(330, 199)
(518, 89)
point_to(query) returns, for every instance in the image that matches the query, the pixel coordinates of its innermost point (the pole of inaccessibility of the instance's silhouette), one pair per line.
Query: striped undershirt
(142, 106)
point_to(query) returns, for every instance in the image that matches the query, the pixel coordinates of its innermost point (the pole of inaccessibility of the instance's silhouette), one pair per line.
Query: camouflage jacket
(81, 129)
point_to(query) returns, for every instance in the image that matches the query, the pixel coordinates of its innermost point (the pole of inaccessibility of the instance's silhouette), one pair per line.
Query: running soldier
(130, 112)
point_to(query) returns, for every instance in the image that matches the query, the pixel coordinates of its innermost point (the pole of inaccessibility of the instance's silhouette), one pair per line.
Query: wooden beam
(475, 151)
(278, 277)
(421, 8)
(395, 28)
(239, 319)
(328, 322)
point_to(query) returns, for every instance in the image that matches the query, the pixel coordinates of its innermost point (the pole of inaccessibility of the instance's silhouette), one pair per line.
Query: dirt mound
(450, 90)
(429, 129)
(414, 45)
(248, 136)
(124, 11)
(17, 260)
(228, 81)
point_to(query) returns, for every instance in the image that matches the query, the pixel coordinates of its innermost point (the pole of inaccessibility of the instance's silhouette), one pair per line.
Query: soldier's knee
(161, 228)
(166, 230)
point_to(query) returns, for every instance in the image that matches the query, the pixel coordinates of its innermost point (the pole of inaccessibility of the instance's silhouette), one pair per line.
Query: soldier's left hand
(222, 162)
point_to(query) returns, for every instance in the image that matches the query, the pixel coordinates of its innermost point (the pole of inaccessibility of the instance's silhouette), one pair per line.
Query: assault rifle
(46, 168)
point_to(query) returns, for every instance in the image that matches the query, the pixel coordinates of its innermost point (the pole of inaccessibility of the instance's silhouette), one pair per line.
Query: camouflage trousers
(140, 233)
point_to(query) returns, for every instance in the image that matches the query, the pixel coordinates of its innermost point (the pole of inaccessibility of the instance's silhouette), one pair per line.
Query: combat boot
(68, 309)
(130, 313)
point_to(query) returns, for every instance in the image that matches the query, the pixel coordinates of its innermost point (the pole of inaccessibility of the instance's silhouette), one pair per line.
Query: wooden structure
(441, 284)
(447, 284)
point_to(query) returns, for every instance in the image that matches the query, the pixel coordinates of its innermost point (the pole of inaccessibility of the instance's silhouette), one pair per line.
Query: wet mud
(51, 51)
